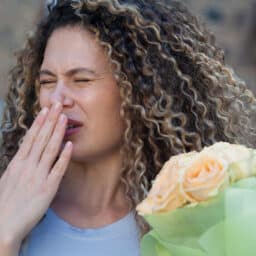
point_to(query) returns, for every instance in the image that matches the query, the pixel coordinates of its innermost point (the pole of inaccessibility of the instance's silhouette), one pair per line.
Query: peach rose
(204, 178)
(192, 177)
(165, 194)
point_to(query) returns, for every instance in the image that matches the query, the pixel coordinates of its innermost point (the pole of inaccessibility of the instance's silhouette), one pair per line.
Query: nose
(62, 94)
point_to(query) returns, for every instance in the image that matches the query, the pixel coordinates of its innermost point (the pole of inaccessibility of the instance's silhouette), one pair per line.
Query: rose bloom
(193, 177)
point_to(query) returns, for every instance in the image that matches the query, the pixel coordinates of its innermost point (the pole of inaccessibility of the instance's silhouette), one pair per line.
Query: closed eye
(46, 82)
(49, 82)
(82, 80)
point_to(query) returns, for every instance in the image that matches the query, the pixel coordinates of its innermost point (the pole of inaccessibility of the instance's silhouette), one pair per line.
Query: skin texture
(177, 95)
(91, 189)
(31, 179)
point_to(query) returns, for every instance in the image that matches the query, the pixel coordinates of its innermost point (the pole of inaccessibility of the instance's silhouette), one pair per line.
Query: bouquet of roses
(203, 204)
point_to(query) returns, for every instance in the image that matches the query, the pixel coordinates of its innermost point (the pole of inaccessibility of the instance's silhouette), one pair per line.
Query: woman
(132, 83)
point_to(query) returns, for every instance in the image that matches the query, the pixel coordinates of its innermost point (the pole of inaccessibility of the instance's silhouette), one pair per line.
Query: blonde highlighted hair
(177, 93)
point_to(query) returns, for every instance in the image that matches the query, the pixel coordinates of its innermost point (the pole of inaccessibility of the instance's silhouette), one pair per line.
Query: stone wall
(234, 24)
(16, 19)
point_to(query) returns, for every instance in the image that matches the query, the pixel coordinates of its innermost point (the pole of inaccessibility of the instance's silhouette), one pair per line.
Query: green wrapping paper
(222, 226)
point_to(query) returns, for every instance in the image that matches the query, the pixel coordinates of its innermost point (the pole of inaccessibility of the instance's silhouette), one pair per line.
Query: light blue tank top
(54, 236)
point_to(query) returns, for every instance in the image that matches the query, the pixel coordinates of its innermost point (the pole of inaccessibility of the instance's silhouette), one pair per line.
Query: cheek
(111, 115)
(103, 111)
(43, 99)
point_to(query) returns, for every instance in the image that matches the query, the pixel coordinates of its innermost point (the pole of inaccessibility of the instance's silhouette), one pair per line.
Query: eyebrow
(70, 72)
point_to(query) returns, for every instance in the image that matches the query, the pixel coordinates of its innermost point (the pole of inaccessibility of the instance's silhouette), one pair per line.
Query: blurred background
(232, 21)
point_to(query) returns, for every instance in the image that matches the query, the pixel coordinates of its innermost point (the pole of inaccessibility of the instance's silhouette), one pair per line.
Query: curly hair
(177, 94)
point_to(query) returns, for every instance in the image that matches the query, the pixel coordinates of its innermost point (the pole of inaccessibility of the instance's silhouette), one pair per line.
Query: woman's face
(76, 72)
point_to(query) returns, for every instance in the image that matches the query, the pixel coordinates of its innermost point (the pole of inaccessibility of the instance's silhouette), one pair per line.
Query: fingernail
(69, 144)
(62, 118)
(57, 105)
(44, 111)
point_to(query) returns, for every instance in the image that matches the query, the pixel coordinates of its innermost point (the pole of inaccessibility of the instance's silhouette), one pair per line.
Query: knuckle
(37, 122)
(52, 147)
(63, 158)
(21, 154)
(13, 166)
(59, 165)
(29, 135)
(41, 137)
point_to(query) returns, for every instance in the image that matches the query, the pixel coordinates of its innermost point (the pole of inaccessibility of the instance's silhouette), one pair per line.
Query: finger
(57, 173)
(31, 134)
(53, 147)
(45, 133)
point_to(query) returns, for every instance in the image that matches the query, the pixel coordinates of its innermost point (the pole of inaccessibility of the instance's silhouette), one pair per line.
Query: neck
(92, 189)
